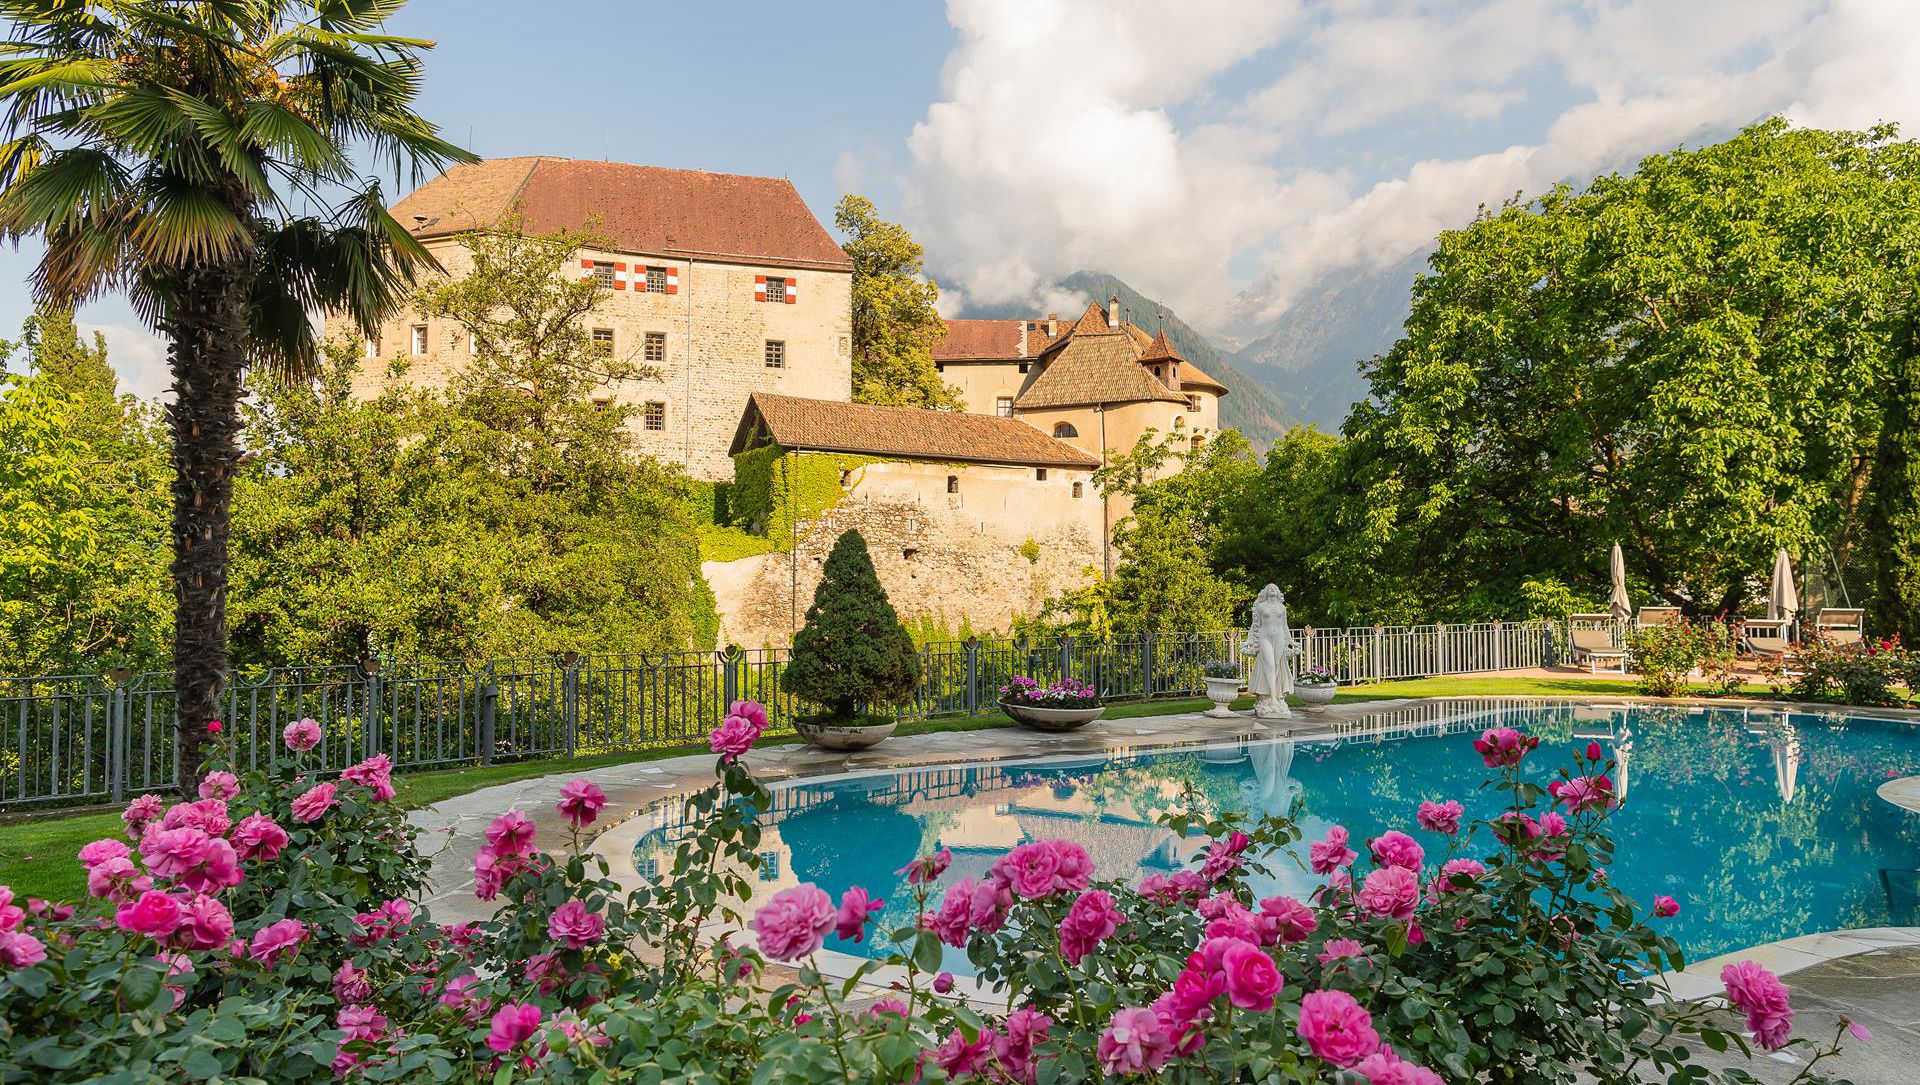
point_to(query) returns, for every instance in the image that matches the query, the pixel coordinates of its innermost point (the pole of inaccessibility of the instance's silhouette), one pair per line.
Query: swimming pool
(1764, 824)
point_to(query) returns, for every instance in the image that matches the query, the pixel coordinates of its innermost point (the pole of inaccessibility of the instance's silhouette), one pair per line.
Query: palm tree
(155, 146)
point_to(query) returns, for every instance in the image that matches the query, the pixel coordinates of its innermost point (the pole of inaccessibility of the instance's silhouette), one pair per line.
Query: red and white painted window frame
(792, 288)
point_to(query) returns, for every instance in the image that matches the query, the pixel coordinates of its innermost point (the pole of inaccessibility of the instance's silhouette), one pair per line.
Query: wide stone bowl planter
(1052, 719)
(1222, 691)
(1315, 696)
(837, 736)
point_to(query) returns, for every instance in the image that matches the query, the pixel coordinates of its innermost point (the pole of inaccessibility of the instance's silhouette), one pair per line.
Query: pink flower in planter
(1440, 817)
(277, 942)
(1395, 848)
(1337, 1028)
(510, 834)
(1553, 837)
(752, 711)
(259, 837)
(580, 802)
(794, 923)
(117, 880)
(1135, 1042)
(1228, 918)
(1503, 746)
(1289, 920)
(1337, 949)
(139, 813)
(155, 915)
(1253, 980)
(18, 949)
(375, 774)
(313, 804)
(1390, 892)
(1583, 793)
(513, 1025)
(1330, 853)
(1091, 920)
(927, 868)
(1383, 1067)
(205, 923)
(220, 785)
(1763, 998)
(733, 738)
(575, 926)
(301, 735)
(1665, 907)
(102, 850)
(850, 922)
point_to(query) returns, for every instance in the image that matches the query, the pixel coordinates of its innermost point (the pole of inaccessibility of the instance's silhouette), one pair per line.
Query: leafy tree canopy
(895, 323)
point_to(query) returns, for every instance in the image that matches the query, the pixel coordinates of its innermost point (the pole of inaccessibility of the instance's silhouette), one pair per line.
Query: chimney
(1053, 325)
(1113, 311)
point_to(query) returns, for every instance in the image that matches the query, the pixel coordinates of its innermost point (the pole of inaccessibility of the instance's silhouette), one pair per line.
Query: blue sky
(1225, 155)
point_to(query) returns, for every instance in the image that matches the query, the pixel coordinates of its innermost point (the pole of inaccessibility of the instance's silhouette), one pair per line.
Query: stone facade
(962, 556)
(716, 336)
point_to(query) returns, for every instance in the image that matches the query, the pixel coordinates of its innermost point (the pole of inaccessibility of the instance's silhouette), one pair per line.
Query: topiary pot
(843, 734)
(1052, 719)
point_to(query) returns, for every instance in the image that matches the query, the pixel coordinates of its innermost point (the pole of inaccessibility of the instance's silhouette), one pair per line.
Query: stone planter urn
(1222, 691)
(843, 736)
(1051, 719)
(1315, 696)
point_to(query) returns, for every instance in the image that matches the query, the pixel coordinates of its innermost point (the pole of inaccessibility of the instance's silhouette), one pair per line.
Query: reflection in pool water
(1765, 825)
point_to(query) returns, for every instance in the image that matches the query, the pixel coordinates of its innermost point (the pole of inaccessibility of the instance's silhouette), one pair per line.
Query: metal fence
(78, 738)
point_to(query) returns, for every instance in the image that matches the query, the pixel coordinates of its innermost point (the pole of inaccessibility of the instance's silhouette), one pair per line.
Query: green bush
(853, 652)
(1858, 673)
(1664, 655)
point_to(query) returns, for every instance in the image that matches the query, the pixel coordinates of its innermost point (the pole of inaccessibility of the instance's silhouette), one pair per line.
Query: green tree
(151, 145)
(83, 511)
(1892, 539)
(853, 652)
(895, 323)
(1689, 360)
(1280, 527)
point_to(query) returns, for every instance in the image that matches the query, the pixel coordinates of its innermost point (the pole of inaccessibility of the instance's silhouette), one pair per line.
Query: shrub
(853, 652)
(1664, 655)
(1863, 673)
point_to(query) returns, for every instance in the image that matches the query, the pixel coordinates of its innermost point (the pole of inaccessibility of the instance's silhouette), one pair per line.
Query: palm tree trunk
(208, 328)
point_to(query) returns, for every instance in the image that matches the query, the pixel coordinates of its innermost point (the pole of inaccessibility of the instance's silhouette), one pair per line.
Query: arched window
(1065, 429)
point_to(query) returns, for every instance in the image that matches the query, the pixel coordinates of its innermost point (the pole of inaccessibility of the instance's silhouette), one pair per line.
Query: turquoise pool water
(1765, 825)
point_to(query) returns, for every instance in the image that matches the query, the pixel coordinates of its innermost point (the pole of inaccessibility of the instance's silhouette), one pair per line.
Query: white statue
(1270, 642)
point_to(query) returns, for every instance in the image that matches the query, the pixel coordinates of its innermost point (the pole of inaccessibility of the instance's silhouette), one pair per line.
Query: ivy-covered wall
(771, 494)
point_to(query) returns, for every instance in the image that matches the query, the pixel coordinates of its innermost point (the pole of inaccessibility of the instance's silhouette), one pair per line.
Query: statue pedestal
(1271, 708)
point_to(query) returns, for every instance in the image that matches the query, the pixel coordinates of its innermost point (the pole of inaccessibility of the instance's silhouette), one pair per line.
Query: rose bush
(237, 937)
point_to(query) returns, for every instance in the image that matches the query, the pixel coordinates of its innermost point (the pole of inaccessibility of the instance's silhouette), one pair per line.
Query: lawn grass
(37, 853)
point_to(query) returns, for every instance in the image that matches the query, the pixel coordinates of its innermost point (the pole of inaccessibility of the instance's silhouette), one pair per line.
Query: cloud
(138, 356)
(1196, 149)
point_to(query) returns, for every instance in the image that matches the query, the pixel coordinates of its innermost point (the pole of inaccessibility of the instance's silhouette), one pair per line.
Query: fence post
(489, 703)
(1149, 688)
(570, 700)
(973, 675)
(1440, 647)
(1066, 656)
(117, 733)
(1378, 646)
(1499, 648)
(370, 689)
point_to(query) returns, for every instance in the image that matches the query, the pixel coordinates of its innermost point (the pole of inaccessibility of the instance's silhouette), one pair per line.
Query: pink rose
(313, 805)
(259, 837)
(546, 972)
(351, 986)
(459, 996)
(1553, 837)
(204, 924)
(850, 922)
(1330, 853)
(220, 785)
(1253, 980)
(1022, 1030)
(925, 870)
(969, 906)
(1290, 920)
(510, 834)
(1337, 1028)
(886, 1006)
(580, 802)
(1454, 869)
(1383, 1067)
(139, 813)
(733, 738)
(102, 850)
(1583, 793)
(794, 923)
(1135, 1042)
(575, 926)
(1390, 892)
(1091, 920)
(1395, 848)
(190, 857)
(1440, 817)
(301, 735)
(1045, 867)
(1666, 907)
(513, 1025)
(18, 949)
(118, 880)
(207, 815)
(957, 1056)
(752, 711)
(375, 774)
(1763, 998)
(943, 983)
(155, 915)
(362, 1024)
(1339, 949)
(1221, 861)
(1503, 747)
(276, 942)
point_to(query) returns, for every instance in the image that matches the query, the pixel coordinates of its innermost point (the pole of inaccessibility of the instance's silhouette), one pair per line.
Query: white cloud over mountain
(1209, 148)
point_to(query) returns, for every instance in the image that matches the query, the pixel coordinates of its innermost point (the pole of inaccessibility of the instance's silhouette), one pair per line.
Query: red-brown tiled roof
(1192, 377)
(825, 425)
(973, 340)
(1159, 349)
(643, 209)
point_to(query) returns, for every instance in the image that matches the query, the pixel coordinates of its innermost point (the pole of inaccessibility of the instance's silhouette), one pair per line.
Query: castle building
(727, 285)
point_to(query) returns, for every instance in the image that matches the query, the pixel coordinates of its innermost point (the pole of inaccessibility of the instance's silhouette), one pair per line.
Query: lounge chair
(1595, 642)
(1657, 616)
(1766, 637)
(1841, 626)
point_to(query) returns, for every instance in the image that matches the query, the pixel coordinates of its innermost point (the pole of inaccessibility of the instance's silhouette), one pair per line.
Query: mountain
(1248, 407)
(1309, 355)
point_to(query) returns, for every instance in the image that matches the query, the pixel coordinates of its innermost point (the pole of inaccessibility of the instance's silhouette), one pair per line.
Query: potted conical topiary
(853, 658)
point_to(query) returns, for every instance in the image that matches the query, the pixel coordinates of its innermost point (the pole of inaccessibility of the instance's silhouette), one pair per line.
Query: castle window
(603, 273)
(603, 341)
(774, 290)
(1039, 474)
(939, 367)
(1003, 406)
(373, 346)
(1178, 421)
(953, 484)
(909, 553)
(1024, 366)
(1193, 401)
(1065, 429)
(602, 399)
(654, 416)
(656, 346)
(776, 354)
(1076, 489)
(656, 280)
(419, 340)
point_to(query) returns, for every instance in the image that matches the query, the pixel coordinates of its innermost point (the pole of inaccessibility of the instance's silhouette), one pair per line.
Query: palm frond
(144, 120)
(84, 260)
(223, 133)
(70, 187)
(285, 134)
(22, 156)
(355, 14)
(184, 223)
